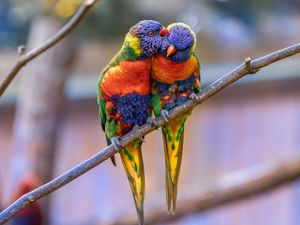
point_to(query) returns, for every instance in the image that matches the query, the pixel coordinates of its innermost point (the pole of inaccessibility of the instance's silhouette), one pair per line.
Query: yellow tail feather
(173, 134)
(132, 160)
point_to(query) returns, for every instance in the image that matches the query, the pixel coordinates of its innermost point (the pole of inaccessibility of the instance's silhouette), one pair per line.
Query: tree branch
(247, 67)
(227, 189)
(25, 57)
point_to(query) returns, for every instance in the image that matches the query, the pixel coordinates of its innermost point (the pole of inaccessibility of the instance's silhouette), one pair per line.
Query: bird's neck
(168, 71)
(131, 48)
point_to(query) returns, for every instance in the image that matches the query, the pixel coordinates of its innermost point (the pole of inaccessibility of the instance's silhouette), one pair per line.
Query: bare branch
(25, 57)
(227, 189)
(107, 152)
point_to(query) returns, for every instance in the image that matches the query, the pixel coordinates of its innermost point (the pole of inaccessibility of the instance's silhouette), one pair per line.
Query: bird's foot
(115, 140)
(194, 96)
(152, 122)
(142, 139)
(165, 115)
(136, 127)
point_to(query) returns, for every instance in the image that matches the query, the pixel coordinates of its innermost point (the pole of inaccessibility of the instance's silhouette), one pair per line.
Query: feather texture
(174, 78)
(173, 134)
(132, 160)
(124, 99)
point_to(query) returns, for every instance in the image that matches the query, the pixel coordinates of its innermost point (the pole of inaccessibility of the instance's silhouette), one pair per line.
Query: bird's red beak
(163, 31)
(171, 50)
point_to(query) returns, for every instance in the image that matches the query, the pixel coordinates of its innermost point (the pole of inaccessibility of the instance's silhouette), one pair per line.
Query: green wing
(125, 54)
(197, 87)
(156, 103)
(110, 127)
(102, 110)
(100, 100)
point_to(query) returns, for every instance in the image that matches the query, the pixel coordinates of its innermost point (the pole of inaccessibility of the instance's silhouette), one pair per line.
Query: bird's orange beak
(163, 31)
(171, 50)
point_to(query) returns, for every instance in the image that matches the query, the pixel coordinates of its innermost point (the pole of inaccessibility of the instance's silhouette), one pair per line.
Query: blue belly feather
(133, 108)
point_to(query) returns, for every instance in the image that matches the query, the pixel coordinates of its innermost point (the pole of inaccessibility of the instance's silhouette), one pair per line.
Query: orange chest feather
(165, 70)
(127, 77)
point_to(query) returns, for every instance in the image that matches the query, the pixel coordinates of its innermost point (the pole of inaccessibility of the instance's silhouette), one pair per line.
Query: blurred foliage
(61, 8)
(112, 18)
(109, 18)
(249, 10)
(244, 10)
(14, 22)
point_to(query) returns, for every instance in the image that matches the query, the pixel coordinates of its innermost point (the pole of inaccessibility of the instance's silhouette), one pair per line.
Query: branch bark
(227, 189)
(25, 57)
(248, 67)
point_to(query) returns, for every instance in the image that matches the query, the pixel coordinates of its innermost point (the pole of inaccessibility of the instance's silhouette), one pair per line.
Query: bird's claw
(194, 96)
(152, 121)
(115, 140)
(142, 139)
(165, 115)
(136, 127)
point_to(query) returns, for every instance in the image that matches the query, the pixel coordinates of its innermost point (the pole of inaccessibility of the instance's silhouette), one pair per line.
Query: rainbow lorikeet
(124, 99)
(175, 78)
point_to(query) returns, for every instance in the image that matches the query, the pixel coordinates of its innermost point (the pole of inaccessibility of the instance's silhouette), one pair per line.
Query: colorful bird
(124, 99)
(175, 78)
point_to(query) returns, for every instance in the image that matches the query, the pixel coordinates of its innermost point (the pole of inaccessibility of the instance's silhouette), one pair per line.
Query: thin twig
(107, 152)
(227, 189)
(25, 57)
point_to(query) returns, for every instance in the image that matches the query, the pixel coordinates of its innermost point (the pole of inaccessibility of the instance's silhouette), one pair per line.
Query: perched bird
(124, 99)
(175, 78)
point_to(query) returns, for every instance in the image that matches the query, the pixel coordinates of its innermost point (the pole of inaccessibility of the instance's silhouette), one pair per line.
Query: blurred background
(49, 119)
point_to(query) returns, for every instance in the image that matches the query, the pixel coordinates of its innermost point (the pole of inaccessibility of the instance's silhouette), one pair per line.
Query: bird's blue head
(179, 43)
(147, 36)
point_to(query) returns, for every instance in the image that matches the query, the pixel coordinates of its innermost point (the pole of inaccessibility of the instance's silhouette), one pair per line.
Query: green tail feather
(172, 170)
(140, 214)
(171, 194)
(132, 160)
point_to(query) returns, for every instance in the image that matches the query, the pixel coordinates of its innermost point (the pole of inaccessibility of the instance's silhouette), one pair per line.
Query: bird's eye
(150, 34)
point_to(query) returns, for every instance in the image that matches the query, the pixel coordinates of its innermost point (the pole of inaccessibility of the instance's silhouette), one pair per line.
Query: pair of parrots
(155, 70)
